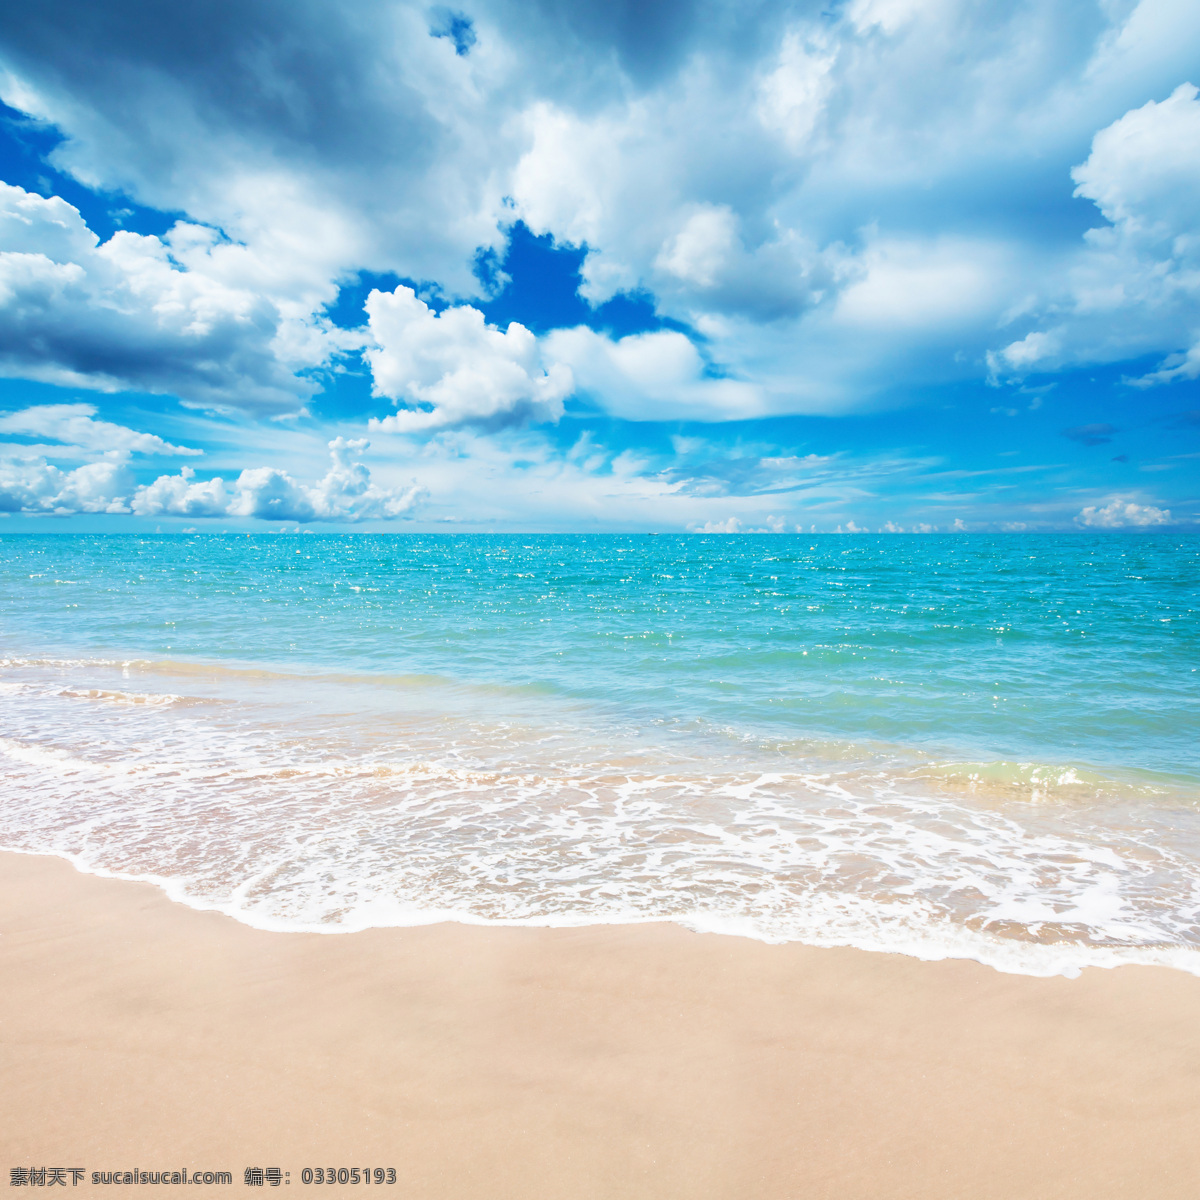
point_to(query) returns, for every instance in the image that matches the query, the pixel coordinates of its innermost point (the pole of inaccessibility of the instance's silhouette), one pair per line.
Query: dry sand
(639, 1061)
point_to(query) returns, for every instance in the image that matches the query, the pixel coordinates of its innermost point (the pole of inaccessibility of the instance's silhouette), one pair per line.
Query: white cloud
(1123, 514)
(651, 376)
(729, 525)
(1020, 356)
(937, 285)
(346, 494)
(698, 253)
(1174, 366)
(35, 486)
(182, 495)
(574, 176)
(1134, 287)
(1144, 169)
(457, 366)
(268, 494)
(705, 269)
(79, 431)
(888, 15)
(126, 314)
(29, 484)
(792, 97)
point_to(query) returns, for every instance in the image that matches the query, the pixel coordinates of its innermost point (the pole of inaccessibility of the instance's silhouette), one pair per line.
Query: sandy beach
(631, 1061)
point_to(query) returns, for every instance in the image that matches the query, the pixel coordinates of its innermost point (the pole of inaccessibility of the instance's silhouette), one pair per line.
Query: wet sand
(623, 1061)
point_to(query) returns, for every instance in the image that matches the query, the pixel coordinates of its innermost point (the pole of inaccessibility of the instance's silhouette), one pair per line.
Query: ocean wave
(290, 833)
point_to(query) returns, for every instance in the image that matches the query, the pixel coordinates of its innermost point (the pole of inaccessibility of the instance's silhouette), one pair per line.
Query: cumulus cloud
(1019, 357)
(1144, 169)
(452, 368)
(28, 483)
(697, 254)
(704, 266)
(183, 495)
(1123, 514)
(729, 525)
(1134, 287)
(126, 314)
(651, 376)
(35, 486)
(345, 494)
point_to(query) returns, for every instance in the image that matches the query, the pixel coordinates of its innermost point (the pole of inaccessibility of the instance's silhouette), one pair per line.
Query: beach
(605, 1061)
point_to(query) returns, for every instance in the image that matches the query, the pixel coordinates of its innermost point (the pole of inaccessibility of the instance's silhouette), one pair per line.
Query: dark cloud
(309, 74)
(1090, 435)
(647, 38)
(320, 78)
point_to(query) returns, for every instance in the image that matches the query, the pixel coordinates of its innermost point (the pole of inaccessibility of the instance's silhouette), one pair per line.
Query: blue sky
(882, 264)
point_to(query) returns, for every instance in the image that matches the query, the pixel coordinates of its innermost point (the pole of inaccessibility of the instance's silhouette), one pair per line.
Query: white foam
(290, 814)
(114, 696)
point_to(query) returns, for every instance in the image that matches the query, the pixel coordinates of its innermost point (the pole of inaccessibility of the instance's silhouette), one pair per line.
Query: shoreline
(1008, 957)
(592, 1061)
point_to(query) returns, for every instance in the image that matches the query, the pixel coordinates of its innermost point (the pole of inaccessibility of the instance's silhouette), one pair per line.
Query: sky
(598, 265)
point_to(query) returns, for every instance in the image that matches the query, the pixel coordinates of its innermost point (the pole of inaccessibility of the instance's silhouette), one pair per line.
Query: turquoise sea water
(965, 745)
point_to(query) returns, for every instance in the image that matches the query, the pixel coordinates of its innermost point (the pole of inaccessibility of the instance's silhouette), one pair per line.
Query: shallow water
(972, 746)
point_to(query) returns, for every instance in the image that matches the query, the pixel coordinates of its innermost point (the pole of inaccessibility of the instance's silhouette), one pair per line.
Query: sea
(968, 746)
